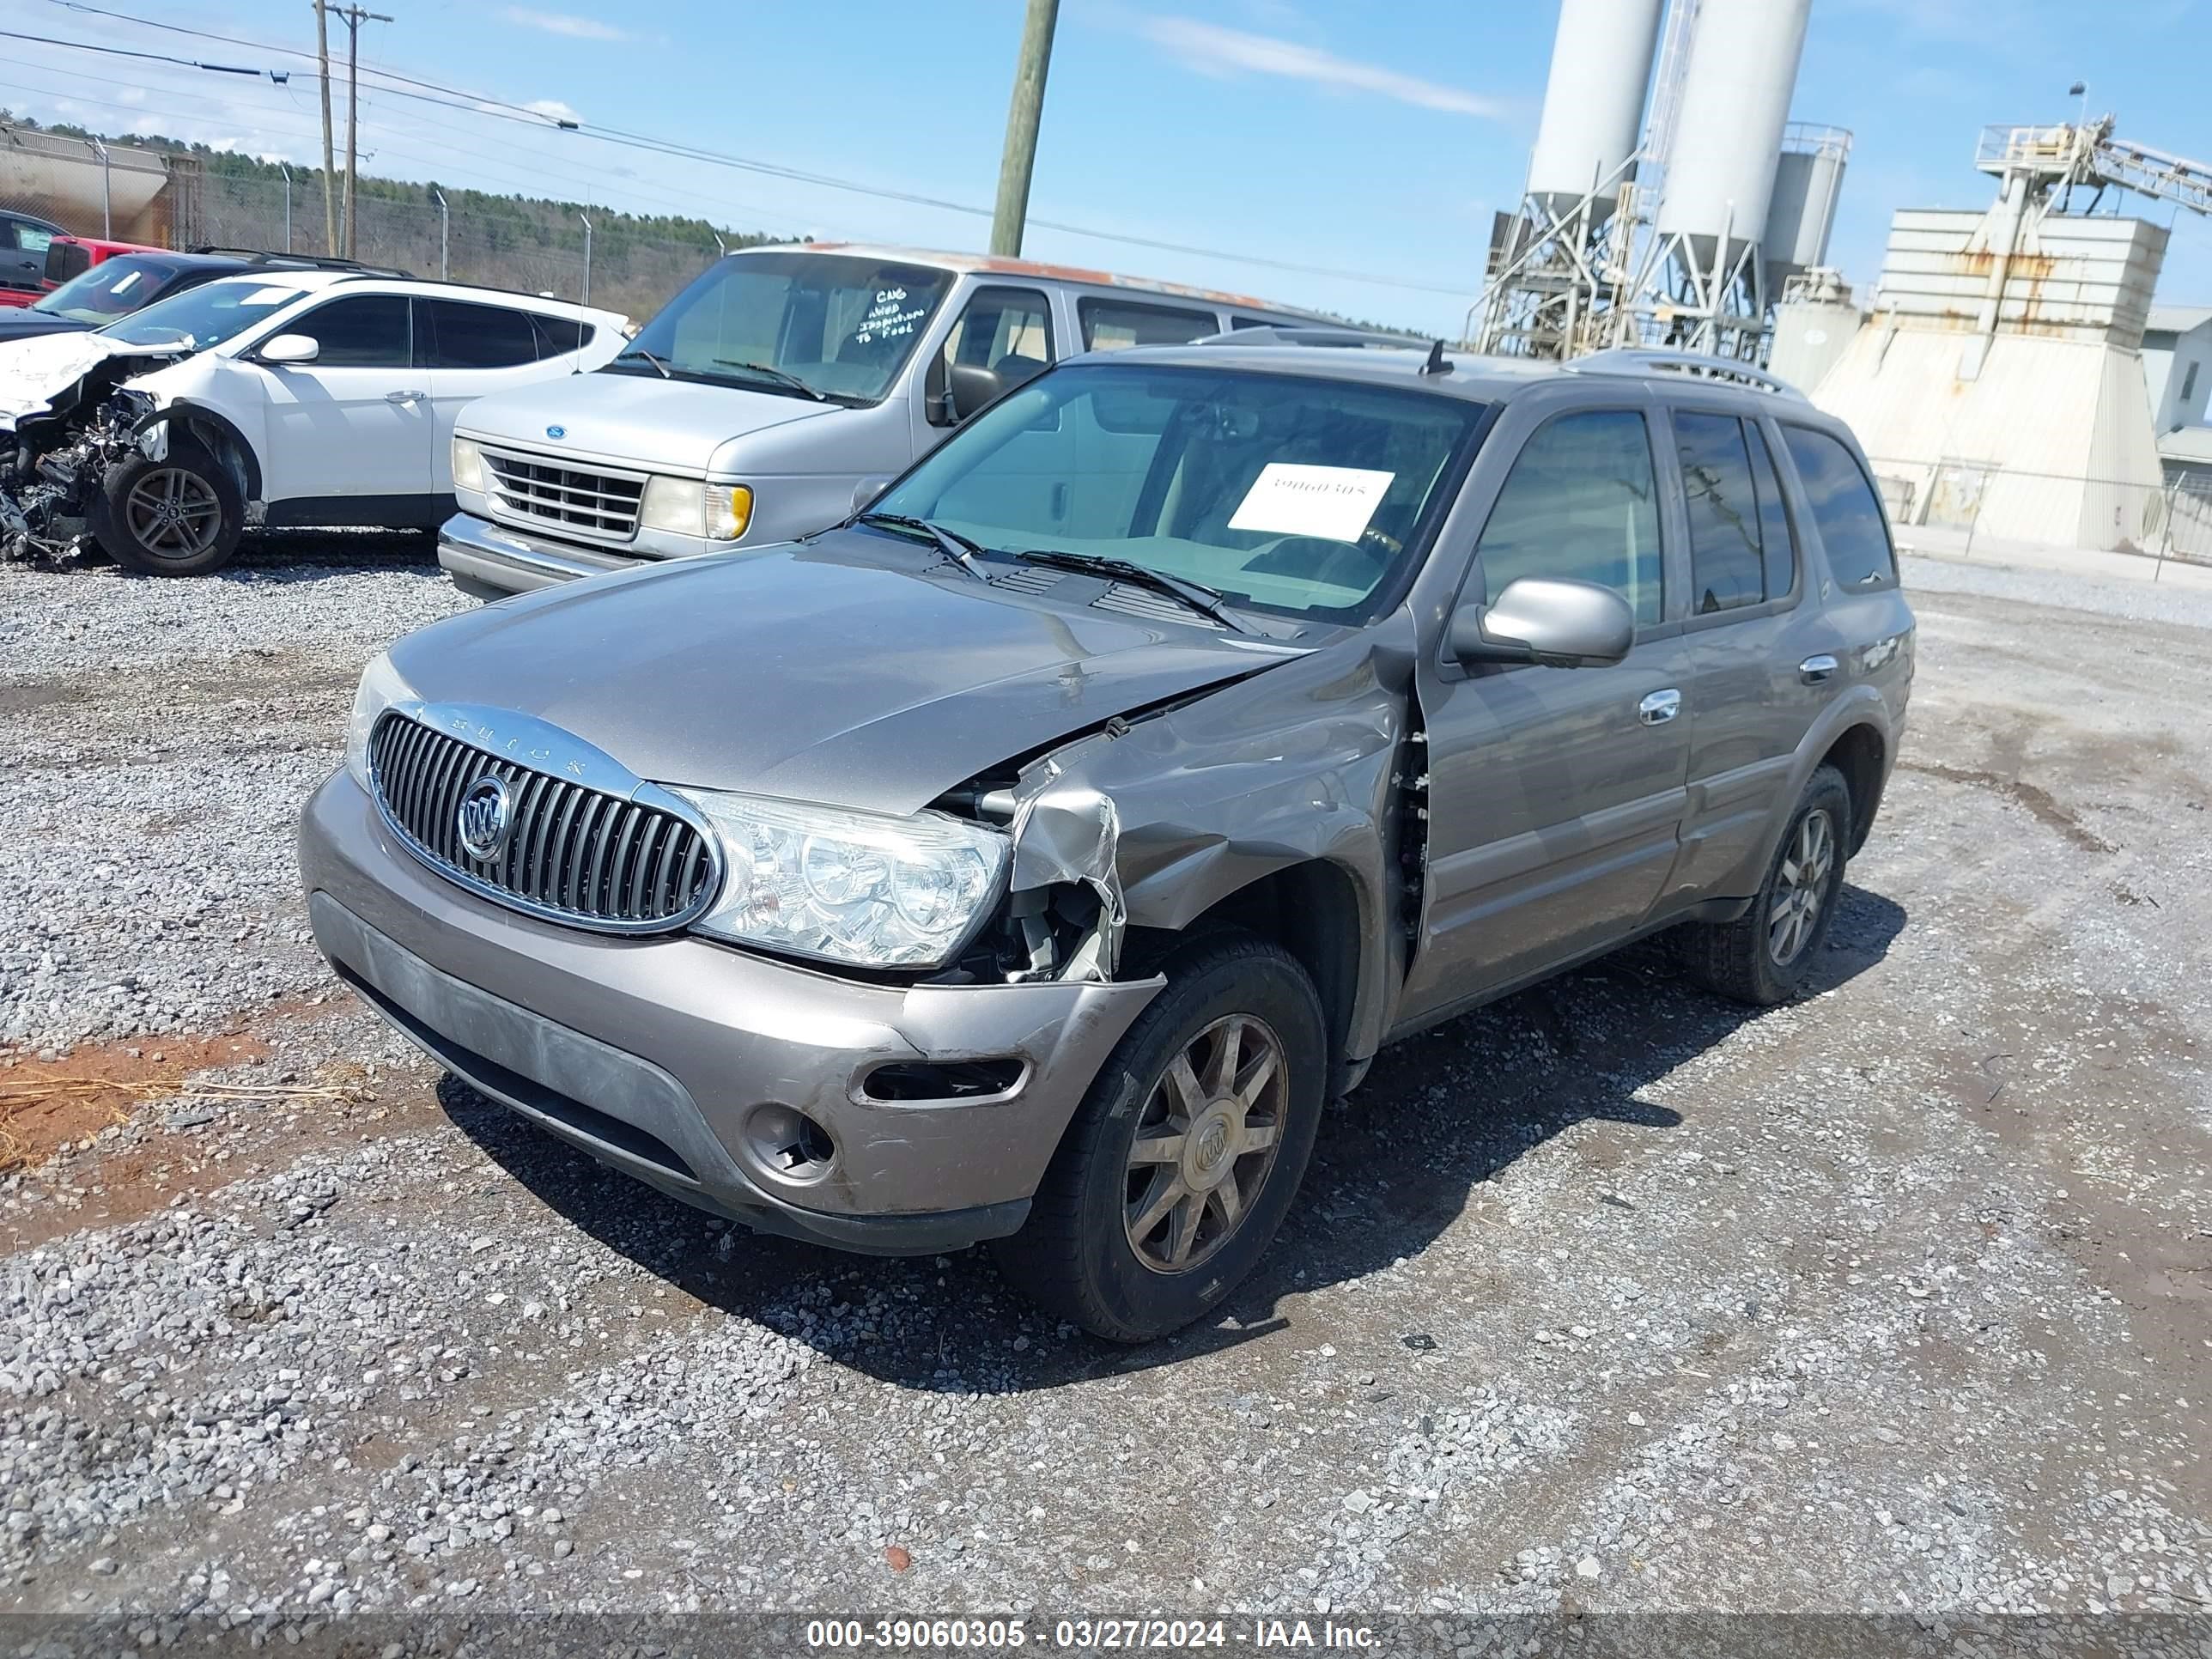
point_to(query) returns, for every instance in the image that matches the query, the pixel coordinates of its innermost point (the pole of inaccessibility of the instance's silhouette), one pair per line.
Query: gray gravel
(1610, 1297)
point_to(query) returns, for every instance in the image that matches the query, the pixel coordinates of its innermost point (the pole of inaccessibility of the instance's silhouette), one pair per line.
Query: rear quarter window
(1845, 510)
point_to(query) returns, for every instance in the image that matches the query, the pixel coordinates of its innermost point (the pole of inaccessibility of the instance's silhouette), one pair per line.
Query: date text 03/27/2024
(983, 1636)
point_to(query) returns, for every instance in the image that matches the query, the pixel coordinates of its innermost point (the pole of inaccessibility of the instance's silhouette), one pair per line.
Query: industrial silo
(1727, 137)
(1594, 101)
(1807, 179)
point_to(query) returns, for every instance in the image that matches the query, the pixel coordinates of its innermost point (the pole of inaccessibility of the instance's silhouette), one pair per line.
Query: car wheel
(1187, 1152)
(178, 516)
(1767, 955)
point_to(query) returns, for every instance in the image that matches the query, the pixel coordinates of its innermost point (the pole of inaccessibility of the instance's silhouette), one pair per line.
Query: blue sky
(1372, 137)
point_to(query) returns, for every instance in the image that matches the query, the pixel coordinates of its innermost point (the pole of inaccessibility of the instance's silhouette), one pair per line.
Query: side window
(2189, 383)
(559, 335)
(1116, 324)
(367, 332)
(1580, 502)
(1845, 510)
(1007, 330)
(1250, 322)
(30, 238)
(1777, 546)
(466, 336)
(1728, 567)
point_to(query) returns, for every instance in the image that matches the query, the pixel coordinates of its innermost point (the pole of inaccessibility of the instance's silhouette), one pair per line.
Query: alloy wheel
(1801, 888)
(173, 512)
(1206, 1143)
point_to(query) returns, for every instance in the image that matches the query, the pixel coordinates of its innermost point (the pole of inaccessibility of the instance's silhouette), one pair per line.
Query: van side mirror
(1543, 620)
(968, 388)
(290, 349)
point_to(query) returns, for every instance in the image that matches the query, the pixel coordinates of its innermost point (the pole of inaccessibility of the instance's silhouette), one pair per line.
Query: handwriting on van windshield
(1332, 501)
(889, 318)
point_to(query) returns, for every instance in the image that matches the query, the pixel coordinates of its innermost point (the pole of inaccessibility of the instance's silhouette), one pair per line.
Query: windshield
(841, 327)
(115, 287)
(210, 314)
(1304, 498)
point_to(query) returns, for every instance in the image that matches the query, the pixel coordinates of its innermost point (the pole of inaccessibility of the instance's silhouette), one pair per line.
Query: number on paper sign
(1332, 501)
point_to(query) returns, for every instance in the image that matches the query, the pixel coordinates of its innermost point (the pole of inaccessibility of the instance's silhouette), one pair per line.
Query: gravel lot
(1898, 1299)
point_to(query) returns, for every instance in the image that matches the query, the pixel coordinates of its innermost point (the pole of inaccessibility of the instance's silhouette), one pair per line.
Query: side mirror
(866, 490)
(290, 349)
(968, 388)
(1537, 619)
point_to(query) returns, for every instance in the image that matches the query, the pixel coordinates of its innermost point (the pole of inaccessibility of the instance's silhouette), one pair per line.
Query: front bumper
(654, 1055)
(491, 561)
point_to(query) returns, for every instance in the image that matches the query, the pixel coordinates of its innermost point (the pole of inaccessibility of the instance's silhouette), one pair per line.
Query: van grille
(571, 853)
(600, 506)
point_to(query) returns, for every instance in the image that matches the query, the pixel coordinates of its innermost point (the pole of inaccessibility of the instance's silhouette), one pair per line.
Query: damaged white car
(299, 398)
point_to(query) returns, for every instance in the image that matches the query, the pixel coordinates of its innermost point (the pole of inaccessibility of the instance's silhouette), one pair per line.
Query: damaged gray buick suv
(1028, 858)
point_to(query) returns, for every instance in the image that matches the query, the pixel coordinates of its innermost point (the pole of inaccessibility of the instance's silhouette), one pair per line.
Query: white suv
(289, 397)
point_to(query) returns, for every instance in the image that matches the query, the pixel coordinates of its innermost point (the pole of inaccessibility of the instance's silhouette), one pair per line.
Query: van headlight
(468, 464)
(685, 507)
(380, 687)
(850, 887)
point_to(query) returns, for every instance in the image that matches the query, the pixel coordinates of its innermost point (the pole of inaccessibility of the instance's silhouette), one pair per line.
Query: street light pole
(1011, 210)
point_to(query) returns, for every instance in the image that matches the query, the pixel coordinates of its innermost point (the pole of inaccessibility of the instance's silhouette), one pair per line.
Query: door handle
(1815, 671)
(404, 397)
(1659, 707)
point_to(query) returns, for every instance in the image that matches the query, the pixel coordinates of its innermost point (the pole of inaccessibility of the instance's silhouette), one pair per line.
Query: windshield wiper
(781, 377)
(956, 546)
(640, 351)
(1208, 601)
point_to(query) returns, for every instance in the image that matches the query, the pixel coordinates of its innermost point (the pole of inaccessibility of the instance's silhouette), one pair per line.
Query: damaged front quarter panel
(1164, 817)
(67, 416)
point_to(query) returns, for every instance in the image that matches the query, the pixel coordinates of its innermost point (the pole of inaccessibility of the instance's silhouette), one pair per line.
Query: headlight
(468, 464)
(380, 687)
(852, 887)
(685, 507)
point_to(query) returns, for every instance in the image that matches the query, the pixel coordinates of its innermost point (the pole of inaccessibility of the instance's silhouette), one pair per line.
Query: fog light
(784, 1142)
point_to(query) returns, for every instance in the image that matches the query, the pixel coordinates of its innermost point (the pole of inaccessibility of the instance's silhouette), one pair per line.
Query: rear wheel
(1188, 1150)
(178, 516)
(1767, 954)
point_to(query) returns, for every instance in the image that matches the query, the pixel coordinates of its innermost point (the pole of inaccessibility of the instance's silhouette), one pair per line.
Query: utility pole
(353, 17)
(1012, 209)
(329, 170)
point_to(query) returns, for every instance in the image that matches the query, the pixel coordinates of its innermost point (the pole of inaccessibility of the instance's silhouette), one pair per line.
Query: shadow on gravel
(1395, 1165)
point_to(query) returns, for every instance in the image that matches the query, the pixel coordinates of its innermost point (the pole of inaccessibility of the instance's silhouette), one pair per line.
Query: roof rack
(262, 256)
(1308, 334)
(1642, 360)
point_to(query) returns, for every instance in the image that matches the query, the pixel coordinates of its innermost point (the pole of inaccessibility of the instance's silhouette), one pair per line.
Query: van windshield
(814, 326)
(1303, 496)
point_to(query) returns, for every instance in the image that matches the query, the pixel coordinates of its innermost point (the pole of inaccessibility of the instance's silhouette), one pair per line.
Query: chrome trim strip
(526, 741)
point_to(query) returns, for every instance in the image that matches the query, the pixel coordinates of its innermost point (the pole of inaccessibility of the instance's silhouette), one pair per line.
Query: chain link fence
(1991, 505)
(172, 199)
(606, 264)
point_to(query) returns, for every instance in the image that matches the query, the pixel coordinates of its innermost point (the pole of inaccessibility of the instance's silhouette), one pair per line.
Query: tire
(1077, 1256)
(1765, 957)
(178, 516)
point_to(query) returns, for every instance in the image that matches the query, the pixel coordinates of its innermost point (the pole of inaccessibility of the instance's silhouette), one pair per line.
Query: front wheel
(1767, 955)
(178, 516)
(1186, 1153)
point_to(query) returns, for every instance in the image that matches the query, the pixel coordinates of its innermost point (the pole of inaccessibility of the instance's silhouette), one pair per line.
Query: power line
(501, 109)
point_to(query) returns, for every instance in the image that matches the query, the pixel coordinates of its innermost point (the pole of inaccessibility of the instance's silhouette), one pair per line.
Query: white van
(772, 396)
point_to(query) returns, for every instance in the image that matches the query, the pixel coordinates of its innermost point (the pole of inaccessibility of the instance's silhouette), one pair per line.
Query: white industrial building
(2177, 353)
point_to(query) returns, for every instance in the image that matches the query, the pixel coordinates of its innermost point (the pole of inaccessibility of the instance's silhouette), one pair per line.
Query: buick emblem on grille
(485, 816)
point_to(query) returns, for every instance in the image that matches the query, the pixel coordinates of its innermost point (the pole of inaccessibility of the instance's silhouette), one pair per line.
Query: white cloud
(1213, 50)
(551, 108)
(568, 23)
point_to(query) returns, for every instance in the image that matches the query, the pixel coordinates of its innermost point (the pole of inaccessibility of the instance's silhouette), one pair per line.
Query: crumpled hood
(35, 373)
(816, 672)
(629, 420)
